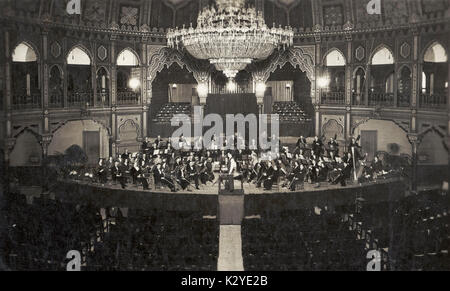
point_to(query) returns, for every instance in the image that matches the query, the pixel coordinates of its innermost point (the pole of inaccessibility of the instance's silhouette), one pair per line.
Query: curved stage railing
(255, 201)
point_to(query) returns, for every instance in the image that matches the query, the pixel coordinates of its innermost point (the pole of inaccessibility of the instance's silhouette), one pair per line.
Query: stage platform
(206, 199)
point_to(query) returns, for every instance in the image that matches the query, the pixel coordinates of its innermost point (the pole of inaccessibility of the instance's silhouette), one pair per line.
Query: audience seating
(290, 112)
(38, 237)
(169, 110)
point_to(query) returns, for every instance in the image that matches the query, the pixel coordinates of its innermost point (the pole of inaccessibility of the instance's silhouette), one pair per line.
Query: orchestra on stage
(159, 164)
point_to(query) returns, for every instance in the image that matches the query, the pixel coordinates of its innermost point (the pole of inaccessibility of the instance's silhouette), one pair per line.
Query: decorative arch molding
(130, 122)
(81, 47)
(437, 131)
(133, 52)
(325, 55)
(334, 122)
(400, 69)
(63, 123)
(165, 57)
(356, 71)
(377, 49)
(358, 122)
(61, 71)
(27, 43)
(108, 74)
(298, 57)
(429, 45)
(18, 130)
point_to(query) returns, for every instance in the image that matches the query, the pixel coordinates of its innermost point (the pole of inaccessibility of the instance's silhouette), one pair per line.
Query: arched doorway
(174, 91)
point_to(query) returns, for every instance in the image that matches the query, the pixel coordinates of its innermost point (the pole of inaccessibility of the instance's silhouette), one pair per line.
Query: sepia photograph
(224, 141)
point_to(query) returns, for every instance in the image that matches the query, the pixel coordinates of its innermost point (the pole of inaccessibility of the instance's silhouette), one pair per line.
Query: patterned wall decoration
(360, 53)
(397, 10)
(55, 49)
(405, 50)
(129, 15)
(102, 53)
(95, 10)
(333, 15)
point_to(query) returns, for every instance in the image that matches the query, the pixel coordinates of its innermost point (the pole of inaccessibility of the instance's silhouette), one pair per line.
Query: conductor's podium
(231, 200)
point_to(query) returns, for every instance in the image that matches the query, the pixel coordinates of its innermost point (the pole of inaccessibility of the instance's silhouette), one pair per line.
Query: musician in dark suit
(102, 172)
(117, 174)
(160, 178)
(317, 146)
(193, 174)
(333, 146)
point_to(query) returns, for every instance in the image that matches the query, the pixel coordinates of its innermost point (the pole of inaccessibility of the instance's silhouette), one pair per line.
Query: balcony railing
(381, 99)
(433, 101)
(32, 101)
(358, 99)
(80, 100)
(333, 98)
(102, 99)
(128, 98)
(56, 101)
(225, 89)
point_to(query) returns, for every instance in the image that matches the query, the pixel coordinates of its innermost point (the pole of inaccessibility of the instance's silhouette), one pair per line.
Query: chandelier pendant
(230, 37)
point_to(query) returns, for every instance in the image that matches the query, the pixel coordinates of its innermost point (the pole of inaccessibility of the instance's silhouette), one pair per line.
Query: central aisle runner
(230, 249)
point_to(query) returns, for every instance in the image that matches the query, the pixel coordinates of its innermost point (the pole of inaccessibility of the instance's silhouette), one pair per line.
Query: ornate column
(348, 71)
(113, 83)
(8, 83)
(144, 91)
(414, 139)
(45, 72)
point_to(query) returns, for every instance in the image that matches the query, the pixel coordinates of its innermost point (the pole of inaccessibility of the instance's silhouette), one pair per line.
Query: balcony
(22, 102)
(80, 100)
(55, 101)
(128, 98)
(381, 99)
(333, 98)
(433, 101)
(102, 99)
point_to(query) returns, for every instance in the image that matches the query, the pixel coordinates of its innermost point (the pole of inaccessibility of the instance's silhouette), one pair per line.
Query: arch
(27, 149)
(296, 56)
(61, 71)
(70, 132)
(128, 57)
(383, 55)
(165, 57)
(24, 52)
(103, 68)
(433, 149)
(355, 71)
(79, 55)
(393, 132)
(334, 58)
(435, 53)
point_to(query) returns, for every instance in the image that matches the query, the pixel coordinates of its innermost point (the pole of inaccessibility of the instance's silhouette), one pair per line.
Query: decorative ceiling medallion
(360, 53)
(55, 49)
(102, 53)
(405, 50)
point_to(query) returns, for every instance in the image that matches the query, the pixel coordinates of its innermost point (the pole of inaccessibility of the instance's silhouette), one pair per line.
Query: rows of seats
(301, 240)
(38, 236)
(169, 110)
(290, 112)
(157, 241)
(414, 233)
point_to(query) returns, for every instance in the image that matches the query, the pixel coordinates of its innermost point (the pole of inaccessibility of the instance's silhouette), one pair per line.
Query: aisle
(230, 249)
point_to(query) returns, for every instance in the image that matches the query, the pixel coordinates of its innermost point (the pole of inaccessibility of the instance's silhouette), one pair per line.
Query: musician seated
(160, 178)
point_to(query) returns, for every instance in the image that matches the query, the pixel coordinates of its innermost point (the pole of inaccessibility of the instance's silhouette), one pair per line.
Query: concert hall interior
(90, 161)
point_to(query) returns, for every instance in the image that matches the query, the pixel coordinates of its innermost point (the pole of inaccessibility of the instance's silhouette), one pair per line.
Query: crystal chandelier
(230, 37)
